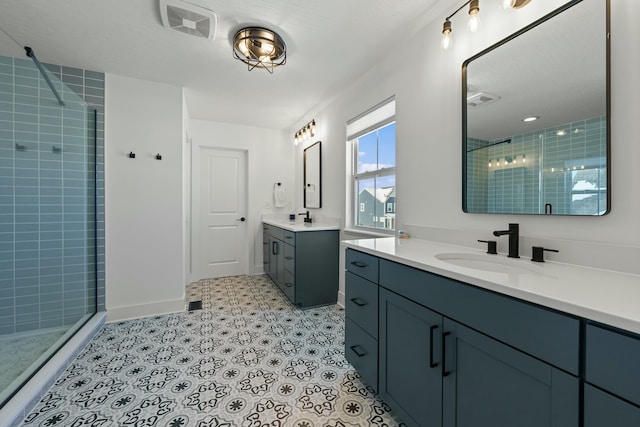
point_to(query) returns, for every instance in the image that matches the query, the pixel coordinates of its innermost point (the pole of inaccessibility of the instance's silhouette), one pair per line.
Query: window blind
(375, 117)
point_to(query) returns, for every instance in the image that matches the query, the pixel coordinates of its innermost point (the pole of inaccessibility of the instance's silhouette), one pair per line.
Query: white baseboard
(341, 299)
(119, 314)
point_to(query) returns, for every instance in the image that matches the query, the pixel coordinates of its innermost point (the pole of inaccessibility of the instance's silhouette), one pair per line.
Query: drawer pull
(445, 373)
(359, 353)
(288, 258)
(432, 329)
(358, 264)
(357, 301)
(288, 285)
(288, 237)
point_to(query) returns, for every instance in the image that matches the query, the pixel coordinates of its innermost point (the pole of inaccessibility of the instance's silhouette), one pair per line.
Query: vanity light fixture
(446, 34)
(474, 18)
(259, 48)
(510, 161)
(307, 131)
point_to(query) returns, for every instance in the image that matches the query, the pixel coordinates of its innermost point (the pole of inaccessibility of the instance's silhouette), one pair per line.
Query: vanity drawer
(289, 237)
(612, 362)
(273, 231)
(603, 409)
(363, 265)
(290, 258)
(362, 352)
(544, 333)
(361, 303)
(289, 287)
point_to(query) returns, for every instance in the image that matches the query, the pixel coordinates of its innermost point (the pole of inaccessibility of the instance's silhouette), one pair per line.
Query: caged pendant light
(259, 48)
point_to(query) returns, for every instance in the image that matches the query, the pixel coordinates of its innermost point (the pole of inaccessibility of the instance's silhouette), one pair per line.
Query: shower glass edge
(48, 271)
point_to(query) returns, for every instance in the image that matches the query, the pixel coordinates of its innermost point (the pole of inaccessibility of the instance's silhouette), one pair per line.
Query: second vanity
(302, 260)
(449, 336)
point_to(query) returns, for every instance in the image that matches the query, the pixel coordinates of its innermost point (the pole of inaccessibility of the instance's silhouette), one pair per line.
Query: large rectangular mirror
(536, 117)
(313, 176)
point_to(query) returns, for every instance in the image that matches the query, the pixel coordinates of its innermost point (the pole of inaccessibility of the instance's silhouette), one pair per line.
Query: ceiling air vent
(188, 18)
(481, 98)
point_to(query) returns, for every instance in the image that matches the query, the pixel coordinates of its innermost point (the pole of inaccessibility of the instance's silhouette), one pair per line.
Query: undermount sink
(492, 263)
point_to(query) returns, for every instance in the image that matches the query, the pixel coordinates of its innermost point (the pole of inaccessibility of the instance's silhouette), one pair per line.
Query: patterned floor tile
(249, 358)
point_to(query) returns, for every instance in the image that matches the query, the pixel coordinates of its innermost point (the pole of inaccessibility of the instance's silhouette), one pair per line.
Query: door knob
(241, 219)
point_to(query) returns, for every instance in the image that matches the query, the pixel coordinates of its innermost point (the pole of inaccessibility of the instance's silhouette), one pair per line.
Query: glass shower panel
(47, 219)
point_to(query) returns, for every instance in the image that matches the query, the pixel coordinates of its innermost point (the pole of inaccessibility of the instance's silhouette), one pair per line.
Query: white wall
(143, 198)
(269, 161)
(427, 83)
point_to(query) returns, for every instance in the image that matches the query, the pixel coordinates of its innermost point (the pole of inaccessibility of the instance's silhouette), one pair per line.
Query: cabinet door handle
(275, 248)
(288, 285)
(357, 302)
(445, 373)
(432, 329)
(288, 258)
(358, 264)
(360, 353)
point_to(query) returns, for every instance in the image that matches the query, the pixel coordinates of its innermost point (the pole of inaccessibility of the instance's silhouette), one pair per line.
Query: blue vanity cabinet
(304, 264)
(316, 259)
(455, 355)
(612, 375)
(410, 367)
(437, 372)
(487, 383)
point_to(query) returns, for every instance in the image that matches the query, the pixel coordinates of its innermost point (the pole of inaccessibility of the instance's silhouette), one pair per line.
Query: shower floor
(19, 351)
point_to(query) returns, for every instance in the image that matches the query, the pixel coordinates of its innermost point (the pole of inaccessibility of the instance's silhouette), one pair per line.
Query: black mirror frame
(506, 40)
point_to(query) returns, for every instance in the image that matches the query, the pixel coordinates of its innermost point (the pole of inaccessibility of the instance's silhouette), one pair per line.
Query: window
(588, 191)
(372, 137)
(390, 208)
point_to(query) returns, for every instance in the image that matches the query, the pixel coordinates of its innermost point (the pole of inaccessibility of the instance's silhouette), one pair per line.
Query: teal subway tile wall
(563, 167)
(51, 196)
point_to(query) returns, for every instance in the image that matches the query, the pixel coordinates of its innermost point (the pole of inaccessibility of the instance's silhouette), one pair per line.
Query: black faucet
(514, 238)
(307, 218)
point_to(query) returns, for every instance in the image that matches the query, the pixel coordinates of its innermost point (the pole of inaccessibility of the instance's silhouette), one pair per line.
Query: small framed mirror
(536, 117)
(313, 176)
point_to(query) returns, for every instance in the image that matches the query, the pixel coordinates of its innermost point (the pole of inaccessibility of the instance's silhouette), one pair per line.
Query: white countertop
(301, 226)
(604, 296)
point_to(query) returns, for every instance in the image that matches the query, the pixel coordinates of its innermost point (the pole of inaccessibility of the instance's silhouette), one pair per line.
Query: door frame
(196, 154)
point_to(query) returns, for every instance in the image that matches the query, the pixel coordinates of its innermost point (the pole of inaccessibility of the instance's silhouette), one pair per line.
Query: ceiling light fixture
(259, 48)
(474, 18)
(530, 119)
(307, 131)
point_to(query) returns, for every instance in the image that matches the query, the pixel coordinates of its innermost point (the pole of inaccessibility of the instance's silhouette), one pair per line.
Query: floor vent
(194, 305)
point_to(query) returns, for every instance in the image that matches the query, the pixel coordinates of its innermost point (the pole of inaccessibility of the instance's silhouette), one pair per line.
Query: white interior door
(222, 226)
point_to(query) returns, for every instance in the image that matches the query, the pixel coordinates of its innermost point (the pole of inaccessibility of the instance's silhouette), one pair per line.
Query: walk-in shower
(48, 218)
